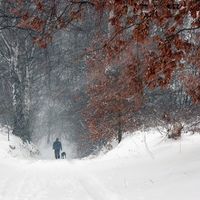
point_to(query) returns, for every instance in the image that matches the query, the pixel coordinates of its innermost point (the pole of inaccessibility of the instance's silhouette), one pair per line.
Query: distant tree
(18, 57)
(112, 97)
(61, 90)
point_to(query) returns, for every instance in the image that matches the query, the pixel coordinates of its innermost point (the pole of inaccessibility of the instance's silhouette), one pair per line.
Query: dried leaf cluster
(147, 43)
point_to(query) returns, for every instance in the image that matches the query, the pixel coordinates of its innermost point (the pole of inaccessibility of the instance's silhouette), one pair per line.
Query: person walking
(57, 146)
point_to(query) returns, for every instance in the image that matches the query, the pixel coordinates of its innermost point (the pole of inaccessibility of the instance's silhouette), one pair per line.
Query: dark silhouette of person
(57, 146)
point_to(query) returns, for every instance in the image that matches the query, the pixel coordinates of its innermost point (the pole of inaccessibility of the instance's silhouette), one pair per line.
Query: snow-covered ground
(143, 166)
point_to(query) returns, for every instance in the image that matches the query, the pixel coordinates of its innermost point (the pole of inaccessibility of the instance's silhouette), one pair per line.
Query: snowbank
(144, 166)
(13, 147)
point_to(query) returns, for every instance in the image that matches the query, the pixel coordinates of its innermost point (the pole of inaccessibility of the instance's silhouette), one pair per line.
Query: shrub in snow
(176, 131)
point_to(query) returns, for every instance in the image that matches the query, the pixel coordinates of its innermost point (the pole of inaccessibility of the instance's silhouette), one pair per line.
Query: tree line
(89, 71)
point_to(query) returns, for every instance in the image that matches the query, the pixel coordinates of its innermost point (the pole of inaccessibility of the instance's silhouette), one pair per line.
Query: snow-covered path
(167, 171)
(51, 179)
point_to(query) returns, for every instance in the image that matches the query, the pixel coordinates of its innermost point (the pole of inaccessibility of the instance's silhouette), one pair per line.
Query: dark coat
(57, 145)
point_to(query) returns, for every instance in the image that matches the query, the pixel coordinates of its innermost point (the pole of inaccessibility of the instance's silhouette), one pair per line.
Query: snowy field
(134, 170)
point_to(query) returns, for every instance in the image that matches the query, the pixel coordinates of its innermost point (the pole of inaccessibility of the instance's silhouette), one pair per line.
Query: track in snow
(51, 179)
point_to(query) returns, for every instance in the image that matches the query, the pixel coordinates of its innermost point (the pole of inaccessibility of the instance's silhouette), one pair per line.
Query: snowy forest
(90, 71)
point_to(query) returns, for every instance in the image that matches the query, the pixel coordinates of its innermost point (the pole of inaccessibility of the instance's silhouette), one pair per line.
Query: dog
(63, 155)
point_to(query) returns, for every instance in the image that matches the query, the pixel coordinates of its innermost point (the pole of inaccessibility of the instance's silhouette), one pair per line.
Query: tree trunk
(119, 126)
(21, 107)
(119, 135)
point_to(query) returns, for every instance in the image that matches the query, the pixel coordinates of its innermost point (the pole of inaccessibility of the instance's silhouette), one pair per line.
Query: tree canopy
(137, 46)
(163, 34)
